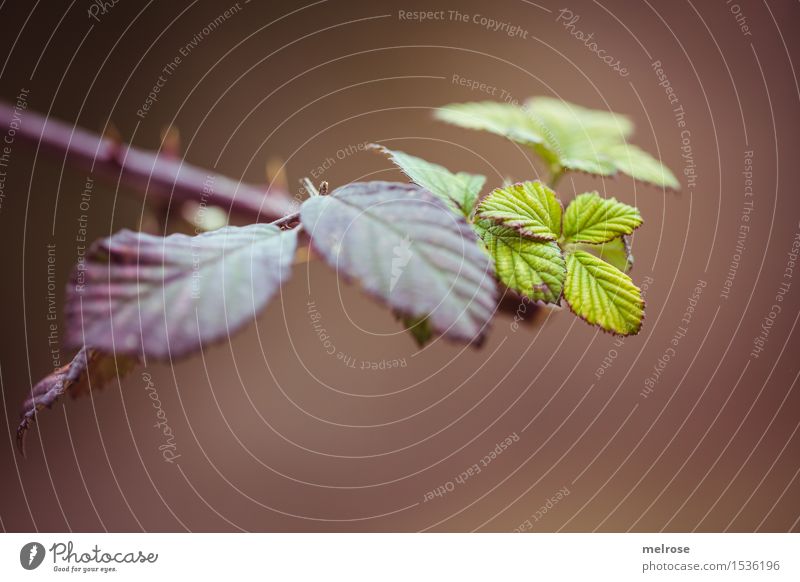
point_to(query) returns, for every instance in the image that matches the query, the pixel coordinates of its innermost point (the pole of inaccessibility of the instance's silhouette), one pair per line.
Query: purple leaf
(409, 251)
(143, 295)
(88, 369)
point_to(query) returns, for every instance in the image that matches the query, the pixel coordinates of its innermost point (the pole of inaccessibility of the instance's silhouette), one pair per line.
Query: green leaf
(592, 219)
(640, 165)
(616, 252)
(530, 207)
(563, 120)
(503, 119)
(408, 250)
(566, 136)
(535, 269)
(602, 294)
(458, 191)
(419, 328)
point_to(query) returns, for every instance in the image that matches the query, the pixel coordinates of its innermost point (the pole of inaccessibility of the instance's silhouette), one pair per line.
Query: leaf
(88, 369)
(530, 207)
(408, 250)
(138, 294)
(535, 269)
(419, 328)
(602, 294)
(458, 191)
(640, 165)
(616, 252)
(563, 118)
(592, 219)
(566, 136)
(503, 119)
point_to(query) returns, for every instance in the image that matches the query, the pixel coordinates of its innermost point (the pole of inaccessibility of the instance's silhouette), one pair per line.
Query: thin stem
(151, 174)
(310, 188)
(555, 177)
(286, 219)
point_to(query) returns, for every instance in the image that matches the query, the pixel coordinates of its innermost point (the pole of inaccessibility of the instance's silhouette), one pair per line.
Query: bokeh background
(273, 433)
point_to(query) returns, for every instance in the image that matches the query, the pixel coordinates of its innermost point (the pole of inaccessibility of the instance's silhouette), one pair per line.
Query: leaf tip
(22, 429)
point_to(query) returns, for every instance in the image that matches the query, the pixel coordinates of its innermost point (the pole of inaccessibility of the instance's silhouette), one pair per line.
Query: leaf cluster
(435, 250)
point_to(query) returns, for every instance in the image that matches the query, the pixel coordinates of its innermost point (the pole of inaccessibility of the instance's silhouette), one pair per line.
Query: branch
(152, 174)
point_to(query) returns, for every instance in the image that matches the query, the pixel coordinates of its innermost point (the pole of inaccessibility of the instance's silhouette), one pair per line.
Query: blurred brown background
(273, 433)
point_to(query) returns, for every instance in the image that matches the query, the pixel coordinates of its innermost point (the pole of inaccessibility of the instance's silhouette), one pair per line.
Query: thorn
(171, 142)
(114, 138)
(303, 255)
(276, 174)
(110, 132)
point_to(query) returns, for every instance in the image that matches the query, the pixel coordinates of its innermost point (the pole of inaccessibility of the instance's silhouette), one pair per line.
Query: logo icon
(31, 555)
